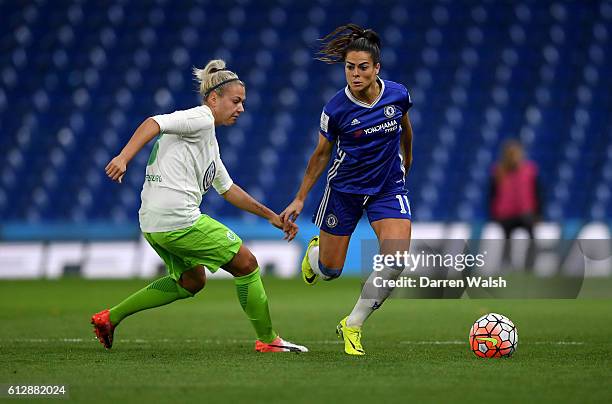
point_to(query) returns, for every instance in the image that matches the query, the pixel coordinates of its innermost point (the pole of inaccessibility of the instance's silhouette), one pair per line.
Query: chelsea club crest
(389, 111)
(331, 221)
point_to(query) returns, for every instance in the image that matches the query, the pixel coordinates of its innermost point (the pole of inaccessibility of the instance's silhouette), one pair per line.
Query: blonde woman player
(183, 165)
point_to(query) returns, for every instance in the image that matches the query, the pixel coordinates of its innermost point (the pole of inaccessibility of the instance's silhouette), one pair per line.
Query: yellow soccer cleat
(351, 337)
(307, 273)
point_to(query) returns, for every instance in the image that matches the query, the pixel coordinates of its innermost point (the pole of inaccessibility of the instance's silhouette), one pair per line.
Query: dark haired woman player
(366, 126)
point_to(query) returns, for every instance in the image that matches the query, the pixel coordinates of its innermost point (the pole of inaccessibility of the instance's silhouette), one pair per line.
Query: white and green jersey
(184, 163)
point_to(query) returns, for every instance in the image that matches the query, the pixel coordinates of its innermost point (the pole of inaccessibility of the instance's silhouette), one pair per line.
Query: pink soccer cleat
(279, 345)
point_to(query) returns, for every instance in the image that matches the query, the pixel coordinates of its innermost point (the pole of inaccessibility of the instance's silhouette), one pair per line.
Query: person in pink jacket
(515, 195)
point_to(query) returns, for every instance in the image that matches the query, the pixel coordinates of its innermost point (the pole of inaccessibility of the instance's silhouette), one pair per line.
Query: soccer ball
(493, 336)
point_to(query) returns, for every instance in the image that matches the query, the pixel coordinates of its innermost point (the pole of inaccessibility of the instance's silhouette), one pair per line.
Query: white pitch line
(456, 342)
(248, 341)
(433, 342)
(557, 343)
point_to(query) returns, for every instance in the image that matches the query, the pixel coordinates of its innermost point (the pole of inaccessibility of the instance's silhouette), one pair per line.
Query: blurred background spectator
(515, 195)
(515, 190)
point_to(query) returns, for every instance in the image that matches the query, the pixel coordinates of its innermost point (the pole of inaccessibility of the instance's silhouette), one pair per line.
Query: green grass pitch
(201, 349)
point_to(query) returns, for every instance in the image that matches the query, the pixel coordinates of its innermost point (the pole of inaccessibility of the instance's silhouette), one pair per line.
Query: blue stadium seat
(76, 80)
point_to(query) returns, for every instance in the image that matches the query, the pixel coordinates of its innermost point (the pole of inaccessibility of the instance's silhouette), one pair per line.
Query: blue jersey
(367, 157)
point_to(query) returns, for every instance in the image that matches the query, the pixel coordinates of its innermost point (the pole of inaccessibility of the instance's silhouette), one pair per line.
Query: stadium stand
(76, 78)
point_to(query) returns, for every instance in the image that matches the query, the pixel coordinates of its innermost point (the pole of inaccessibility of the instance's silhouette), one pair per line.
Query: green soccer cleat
(351, 337)
(307, 273)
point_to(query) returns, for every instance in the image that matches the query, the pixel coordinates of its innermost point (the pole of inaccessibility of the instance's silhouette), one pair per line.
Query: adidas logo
(355, 122)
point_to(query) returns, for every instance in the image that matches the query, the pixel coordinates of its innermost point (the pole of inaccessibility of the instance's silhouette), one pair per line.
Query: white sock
(371, 297)
(313, 259)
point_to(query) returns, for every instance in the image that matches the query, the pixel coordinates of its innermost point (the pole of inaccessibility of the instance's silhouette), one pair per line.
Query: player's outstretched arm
(147, 130)
(242, 200)
(316, 165)
(406, 142)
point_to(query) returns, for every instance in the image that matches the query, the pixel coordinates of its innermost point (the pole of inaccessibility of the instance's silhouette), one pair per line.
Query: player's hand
(291, 212)
(116, 168)
(289, 228)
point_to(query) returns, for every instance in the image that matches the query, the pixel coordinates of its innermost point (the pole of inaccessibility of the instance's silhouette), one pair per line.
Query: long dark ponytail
(346, 38)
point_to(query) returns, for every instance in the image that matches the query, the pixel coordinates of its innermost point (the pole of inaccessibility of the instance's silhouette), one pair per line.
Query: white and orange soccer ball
(493, 336)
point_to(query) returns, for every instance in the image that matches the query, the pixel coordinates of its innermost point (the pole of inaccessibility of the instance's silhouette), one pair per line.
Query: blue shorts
(339, 212)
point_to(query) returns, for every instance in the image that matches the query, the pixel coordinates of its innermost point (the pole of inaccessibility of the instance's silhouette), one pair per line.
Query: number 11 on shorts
(401, 199)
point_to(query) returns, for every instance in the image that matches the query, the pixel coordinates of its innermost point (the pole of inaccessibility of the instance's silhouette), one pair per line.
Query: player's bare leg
(326, 258)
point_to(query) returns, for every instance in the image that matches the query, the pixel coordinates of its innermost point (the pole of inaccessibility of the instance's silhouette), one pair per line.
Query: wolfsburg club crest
(209, 176)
